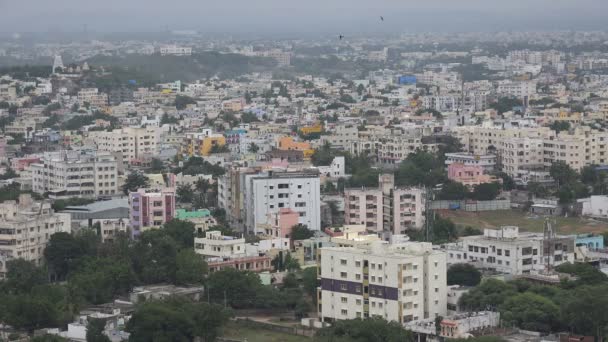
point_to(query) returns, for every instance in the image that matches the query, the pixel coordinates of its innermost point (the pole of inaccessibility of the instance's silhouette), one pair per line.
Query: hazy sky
(301, 15)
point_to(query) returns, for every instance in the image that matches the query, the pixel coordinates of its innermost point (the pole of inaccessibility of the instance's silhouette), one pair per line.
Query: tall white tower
(57, 63)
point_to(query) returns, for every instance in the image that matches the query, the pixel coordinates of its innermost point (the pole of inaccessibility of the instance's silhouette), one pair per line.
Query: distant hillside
(146, 69)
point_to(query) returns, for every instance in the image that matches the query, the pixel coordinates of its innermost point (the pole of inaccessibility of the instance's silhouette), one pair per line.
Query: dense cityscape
(184, 186)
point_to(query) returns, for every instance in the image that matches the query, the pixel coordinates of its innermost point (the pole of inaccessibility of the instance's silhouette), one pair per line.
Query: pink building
(469, 175)
(20, 164)
(150, 208)
(282, 222)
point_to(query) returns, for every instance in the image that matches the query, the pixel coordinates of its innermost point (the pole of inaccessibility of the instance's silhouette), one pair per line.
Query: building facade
(25, 229)
(150, 208)
(76, 174)
(402, 282)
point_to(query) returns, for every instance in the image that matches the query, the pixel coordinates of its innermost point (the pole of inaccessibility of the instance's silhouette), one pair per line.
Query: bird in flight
(382, 18)
(340, 37)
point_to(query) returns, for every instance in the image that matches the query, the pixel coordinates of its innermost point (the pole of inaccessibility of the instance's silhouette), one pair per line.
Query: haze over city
(280, 16)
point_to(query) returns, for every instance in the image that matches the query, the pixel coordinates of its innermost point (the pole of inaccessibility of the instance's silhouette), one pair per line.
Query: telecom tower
(57, 63)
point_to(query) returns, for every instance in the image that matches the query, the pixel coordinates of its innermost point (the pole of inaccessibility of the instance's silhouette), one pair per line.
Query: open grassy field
(526, 222)
(239, 332)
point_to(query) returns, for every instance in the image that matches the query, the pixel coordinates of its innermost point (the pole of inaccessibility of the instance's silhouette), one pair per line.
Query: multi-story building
(469, 175)
(387, 208)
(174, 50)
(400, 282)
(25, 229)
(216, 245)
(517, 89)
(93, 97)
(506, 250)
(486, 162)
(201, 144)
(76, 173)
(268, 192)
(150, 208)
(133, 143)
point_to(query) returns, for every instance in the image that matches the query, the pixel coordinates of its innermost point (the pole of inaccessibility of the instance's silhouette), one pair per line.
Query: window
(342, 261)
(358, 301)
(343, 274)
(343, 287)
(344, 300)
(358, 276)
(507, 252)
(357, 263)
(344, 312)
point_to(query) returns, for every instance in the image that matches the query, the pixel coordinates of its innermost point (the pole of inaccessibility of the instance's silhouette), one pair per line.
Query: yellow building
(287, 143)
(316, 128)
(201, 145)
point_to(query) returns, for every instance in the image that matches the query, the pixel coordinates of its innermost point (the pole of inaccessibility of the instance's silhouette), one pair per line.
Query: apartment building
(266, 193)
(341, 137)
(469, 175)
(93, 97)
(400, 282)
(76, 174)
(133, 143)
(25, 229)
(486, 161)
(174, 50)
(506, 250)
(216, 245)
(517, 89)
(387, 208)
(201, 144)
(150, 208)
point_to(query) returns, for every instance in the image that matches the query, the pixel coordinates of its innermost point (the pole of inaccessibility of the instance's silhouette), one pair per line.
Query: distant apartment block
(174, 50)
(151, 208)
(386, 208)
(401, 282)
(25, 229)
(135, 144)
(76, 174)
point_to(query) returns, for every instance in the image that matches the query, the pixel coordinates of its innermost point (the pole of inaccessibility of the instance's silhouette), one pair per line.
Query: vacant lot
(526, 222)
(233, 330)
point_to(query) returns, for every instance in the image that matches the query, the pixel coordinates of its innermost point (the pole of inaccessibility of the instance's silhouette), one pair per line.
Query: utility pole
(225, 301)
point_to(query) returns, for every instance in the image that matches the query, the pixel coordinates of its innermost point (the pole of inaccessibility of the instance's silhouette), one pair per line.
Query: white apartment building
(517, 89)
(93, 97)
(506, 250)
(267, 193)
(486, 161)
(76, 173)
(174, 50)
(385, 209)
(335, 169)
(400, 282)
(25, 229)
(341, 137)
(134, 143)
(216, 245)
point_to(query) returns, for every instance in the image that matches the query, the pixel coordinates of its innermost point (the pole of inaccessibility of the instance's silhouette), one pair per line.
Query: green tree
(584, 310)
(22, 276)
(157, 165)
(463, 274)
(191, 268)
(374, 329)
(61, 252)
(531, 312)
(562, 173)
(135, 181)
(95, 329)
(253, 148)
(181, 102)
(490, 293)
(453, 191)
(486, 191)
(240, 288)
(8, 174)
(185, 194)
(310, 281)
(444, 230)
(301, 232)
(586, 274)
(559, 126)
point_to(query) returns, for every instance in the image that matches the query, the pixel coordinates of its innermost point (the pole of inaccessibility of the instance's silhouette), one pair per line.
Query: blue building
(590, 240)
